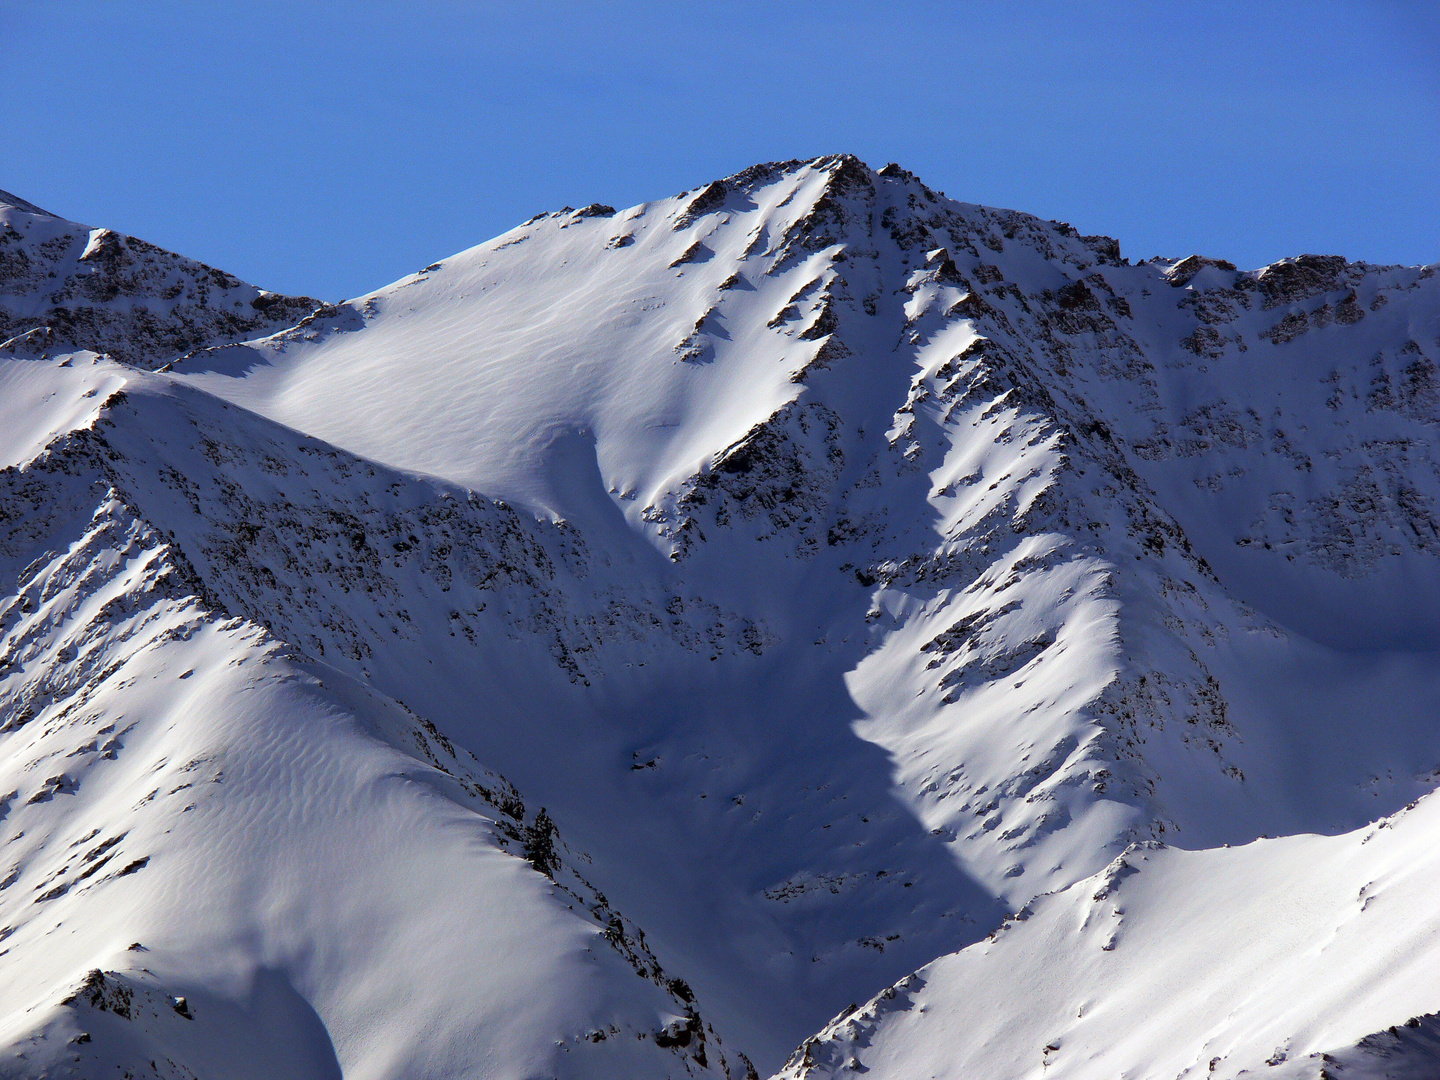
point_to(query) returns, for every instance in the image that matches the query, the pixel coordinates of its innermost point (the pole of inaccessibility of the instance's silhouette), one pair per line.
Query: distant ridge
(7, 199)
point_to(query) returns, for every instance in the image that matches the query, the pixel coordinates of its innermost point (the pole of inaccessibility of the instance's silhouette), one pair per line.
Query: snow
(1220, 963)
(839, 566)
(266, 836)
(39, 402)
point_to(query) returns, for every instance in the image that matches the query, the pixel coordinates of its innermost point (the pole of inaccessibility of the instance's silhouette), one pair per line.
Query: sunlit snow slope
(1306, 956)
(865, 565)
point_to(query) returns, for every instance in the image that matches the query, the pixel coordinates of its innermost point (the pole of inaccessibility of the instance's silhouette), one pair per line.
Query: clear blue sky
(330, 148)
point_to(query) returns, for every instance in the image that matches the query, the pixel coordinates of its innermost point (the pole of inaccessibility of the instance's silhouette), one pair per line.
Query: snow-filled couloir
(840, 566)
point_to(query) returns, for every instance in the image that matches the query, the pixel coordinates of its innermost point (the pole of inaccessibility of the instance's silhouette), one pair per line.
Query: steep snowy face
(1286, 417)
(65, 286)
(947, 461)
(223, 858)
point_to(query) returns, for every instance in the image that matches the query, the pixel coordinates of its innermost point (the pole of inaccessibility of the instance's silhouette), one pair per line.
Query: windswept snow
(840, 566)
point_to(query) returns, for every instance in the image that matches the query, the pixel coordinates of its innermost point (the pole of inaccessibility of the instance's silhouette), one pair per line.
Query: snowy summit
(807, 627)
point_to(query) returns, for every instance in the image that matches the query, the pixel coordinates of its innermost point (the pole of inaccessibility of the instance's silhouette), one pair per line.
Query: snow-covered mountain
(842, 568)
(64, 286)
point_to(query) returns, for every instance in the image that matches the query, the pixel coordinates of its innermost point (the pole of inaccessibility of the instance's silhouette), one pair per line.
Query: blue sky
(330, 148)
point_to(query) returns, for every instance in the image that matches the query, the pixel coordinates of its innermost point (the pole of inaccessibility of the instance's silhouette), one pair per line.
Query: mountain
(71, 287)
(874, 590)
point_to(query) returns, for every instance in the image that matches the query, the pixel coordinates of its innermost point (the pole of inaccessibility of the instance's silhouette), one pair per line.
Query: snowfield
(627, 646)
(1293, 957)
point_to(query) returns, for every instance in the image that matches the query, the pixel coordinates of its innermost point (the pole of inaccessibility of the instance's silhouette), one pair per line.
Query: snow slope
(840, 566)
(1304, 956)
(223, 860)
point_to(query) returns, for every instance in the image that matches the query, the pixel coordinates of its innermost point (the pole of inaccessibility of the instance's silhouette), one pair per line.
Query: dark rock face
(1296, 279)
(1182, 272)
